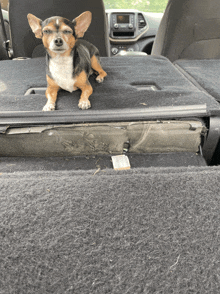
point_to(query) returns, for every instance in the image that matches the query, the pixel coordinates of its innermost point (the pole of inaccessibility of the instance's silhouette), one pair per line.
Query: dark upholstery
(142, 231)
(24, 42)
(205, 73)
(127, 86)
(189, 29)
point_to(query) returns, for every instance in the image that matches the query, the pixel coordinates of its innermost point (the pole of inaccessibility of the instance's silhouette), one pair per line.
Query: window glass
(142, 5)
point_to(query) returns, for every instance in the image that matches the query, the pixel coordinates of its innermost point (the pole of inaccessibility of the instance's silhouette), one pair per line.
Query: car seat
(23, 41)
(189, 29)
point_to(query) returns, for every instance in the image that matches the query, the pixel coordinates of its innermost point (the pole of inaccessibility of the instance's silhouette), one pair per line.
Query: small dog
(70, 61)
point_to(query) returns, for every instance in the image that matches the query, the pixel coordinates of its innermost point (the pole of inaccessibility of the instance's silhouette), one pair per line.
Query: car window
(142, 5)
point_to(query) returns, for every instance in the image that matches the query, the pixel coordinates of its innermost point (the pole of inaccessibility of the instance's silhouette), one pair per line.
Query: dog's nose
(58, 42)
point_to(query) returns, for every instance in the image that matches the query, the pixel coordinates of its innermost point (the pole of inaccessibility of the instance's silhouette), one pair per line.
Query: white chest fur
(61, 69)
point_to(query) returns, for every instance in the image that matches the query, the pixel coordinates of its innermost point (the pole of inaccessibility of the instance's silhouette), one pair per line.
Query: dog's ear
(82, 22)
(35, 24)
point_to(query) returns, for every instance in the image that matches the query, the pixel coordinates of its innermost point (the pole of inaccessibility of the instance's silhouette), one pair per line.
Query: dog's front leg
(51, 94)
(83, 84)
(98, 68)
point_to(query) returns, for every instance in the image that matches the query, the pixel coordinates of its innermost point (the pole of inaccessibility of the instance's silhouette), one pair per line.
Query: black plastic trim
(88, 116)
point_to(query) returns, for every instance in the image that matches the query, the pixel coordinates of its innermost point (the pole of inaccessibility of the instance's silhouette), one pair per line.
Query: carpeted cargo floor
(152, 230)
(204, 72)
(139, 82)
(27, 164)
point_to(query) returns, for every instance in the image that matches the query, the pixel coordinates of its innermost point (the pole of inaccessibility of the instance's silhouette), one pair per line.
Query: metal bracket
(8, 48)
(212, 139)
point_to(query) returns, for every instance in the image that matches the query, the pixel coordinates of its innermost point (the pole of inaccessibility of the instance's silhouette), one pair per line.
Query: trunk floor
(15, 164)
(153, 230)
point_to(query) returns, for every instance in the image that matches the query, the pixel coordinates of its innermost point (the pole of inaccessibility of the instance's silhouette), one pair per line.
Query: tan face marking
(67, 35)
(49, 33)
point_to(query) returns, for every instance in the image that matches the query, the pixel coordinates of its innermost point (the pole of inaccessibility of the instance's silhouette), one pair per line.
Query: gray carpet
(127, 86)
(204, 72)
(27, 164)
(152, 230)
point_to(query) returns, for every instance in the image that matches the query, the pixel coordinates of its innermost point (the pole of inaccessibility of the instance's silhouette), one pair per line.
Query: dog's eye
(67, 32)
(47, 32)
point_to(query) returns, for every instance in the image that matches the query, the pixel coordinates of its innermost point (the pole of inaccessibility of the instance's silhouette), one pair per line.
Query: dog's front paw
(84, 104)
(100, 79)
(101, 76)
(49, 107)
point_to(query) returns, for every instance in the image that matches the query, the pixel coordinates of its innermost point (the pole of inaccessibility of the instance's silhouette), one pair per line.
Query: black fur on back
(82, 53)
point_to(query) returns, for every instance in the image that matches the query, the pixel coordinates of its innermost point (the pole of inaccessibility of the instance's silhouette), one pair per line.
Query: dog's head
(59, 34)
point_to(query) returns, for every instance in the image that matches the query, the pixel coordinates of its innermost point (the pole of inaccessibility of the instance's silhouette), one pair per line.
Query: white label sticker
(121, 162)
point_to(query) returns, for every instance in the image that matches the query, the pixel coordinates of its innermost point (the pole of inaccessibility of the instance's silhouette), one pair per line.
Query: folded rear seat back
(143, 100)
(203, 73)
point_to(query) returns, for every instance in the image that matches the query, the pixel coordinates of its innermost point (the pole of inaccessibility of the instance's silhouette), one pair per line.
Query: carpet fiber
(205, 73)
(137, 82)
(27, 164)
(144, 231)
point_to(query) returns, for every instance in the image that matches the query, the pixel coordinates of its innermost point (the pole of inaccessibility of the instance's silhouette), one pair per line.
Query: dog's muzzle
(58, 42)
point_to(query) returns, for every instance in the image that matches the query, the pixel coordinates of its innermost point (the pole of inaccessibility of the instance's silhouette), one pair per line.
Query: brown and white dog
(70, 60)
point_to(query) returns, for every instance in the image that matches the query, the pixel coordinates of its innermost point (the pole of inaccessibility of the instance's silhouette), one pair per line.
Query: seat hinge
(212, 139)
